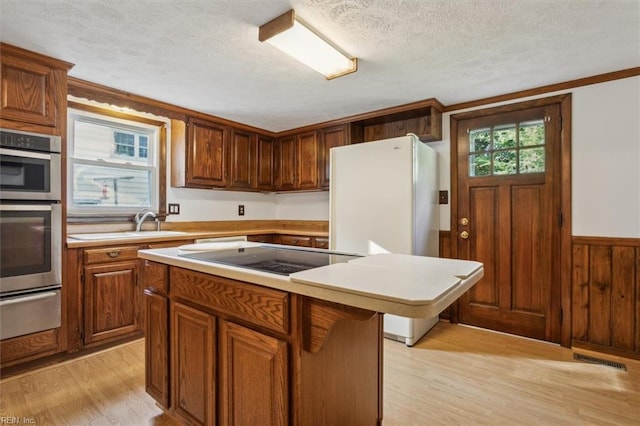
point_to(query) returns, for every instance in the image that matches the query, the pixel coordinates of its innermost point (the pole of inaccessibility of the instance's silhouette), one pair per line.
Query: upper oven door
(29, 175)
(30, 247)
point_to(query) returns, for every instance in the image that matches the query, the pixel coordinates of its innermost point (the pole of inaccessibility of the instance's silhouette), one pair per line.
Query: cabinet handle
(113, 254)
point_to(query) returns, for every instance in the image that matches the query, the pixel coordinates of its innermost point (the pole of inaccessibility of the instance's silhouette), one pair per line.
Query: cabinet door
(265, 163)
(28, 91)
(111, 301)
(307, 161)
(286, 164)
(157, 347)
(253, 376)
(243, 160)
(207, 154)
(330, 138)
(193, 361)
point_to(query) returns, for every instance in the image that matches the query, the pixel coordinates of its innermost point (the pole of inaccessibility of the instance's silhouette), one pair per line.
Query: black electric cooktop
(283, 261)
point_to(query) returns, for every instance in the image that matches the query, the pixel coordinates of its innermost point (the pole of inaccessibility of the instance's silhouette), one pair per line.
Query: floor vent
(605, 362)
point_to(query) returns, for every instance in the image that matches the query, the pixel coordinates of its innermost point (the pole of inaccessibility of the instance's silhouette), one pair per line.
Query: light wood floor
(456, 376)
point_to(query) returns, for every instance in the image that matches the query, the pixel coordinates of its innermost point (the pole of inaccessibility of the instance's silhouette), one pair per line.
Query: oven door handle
(28, 207)
(31, 298)
(26, 154)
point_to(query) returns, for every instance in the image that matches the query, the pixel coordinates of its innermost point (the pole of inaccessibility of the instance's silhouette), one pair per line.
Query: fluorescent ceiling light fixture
(289, 35)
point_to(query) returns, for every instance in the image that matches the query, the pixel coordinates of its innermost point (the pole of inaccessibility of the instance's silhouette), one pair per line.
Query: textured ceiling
(205, 55)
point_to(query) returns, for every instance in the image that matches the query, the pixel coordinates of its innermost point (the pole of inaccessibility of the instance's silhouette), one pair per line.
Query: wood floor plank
(467, 376)
(457, 375)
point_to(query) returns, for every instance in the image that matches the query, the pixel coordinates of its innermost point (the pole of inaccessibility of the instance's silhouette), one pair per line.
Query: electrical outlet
(174, 208)
(443, 197)
(241, 210)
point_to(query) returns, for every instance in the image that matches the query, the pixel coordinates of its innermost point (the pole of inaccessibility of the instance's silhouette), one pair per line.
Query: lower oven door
(29, 313)
(30, 246)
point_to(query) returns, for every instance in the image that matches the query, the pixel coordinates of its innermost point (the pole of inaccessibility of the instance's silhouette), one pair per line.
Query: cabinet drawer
(262, 238)
(295, 240)
(165, 244)
(110, 254)
(321, 242)
(155, 276)
(258, 305)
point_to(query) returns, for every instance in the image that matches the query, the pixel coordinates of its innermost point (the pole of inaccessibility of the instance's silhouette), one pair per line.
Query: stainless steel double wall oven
(30, 233)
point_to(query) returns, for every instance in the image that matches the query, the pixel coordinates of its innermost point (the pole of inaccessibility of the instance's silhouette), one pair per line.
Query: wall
(605, 175)
(605, 156)
(209, 205)
(302, 205)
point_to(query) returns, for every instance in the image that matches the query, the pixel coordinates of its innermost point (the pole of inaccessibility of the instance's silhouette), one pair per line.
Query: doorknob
(464, 235)
(464, 221)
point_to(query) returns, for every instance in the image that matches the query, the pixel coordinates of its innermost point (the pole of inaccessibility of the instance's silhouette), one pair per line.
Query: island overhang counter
(232, 345)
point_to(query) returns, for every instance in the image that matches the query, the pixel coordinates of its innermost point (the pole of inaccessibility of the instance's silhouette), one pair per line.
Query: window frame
(79, 215)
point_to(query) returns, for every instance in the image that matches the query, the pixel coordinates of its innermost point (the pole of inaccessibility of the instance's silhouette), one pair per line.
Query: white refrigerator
(384, 199)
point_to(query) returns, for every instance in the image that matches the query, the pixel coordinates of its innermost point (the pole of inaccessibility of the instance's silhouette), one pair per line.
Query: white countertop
(404, 285)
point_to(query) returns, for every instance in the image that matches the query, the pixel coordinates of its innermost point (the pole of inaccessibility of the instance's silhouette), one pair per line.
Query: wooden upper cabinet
(206, 154)
(423, 118)
(330, 137)
(265, 175)
(33, 89)
(207, 146)
(285, 164)
(243, 160)
(307, 161)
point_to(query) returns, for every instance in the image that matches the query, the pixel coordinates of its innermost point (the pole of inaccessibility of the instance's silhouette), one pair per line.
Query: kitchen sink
(123, 235)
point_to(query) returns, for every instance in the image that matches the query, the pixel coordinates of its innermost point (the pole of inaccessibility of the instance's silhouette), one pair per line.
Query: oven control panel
(29, 141)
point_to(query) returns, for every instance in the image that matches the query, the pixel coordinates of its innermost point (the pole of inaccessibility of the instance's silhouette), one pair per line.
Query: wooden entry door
(508, 217)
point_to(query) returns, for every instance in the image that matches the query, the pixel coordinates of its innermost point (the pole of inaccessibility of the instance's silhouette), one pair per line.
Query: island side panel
(340, 380)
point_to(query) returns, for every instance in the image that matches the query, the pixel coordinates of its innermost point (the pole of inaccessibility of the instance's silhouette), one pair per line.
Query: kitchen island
(230, 344)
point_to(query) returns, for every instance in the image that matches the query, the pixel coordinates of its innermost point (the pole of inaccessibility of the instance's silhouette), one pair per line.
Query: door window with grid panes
(507, 149)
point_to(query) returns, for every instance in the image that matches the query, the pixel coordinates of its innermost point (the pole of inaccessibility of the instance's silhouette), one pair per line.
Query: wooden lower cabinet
(111, 301)
(253, 373)
(193, 364)
(243, 354)
(291, 240)
(29, 347)
(321, 242)
(303, 241)
(262, 238)
(295, 240)
(156, 343)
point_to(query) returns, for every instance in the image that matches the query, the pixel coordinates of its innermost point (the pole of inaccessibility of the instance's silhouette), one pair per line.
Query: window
(113, 165)
(507, 149)
(131, 145)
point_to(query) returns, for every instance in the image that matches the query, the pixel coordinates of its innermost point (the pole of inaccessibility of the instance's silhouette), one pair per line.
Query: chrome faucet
(142, 215)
